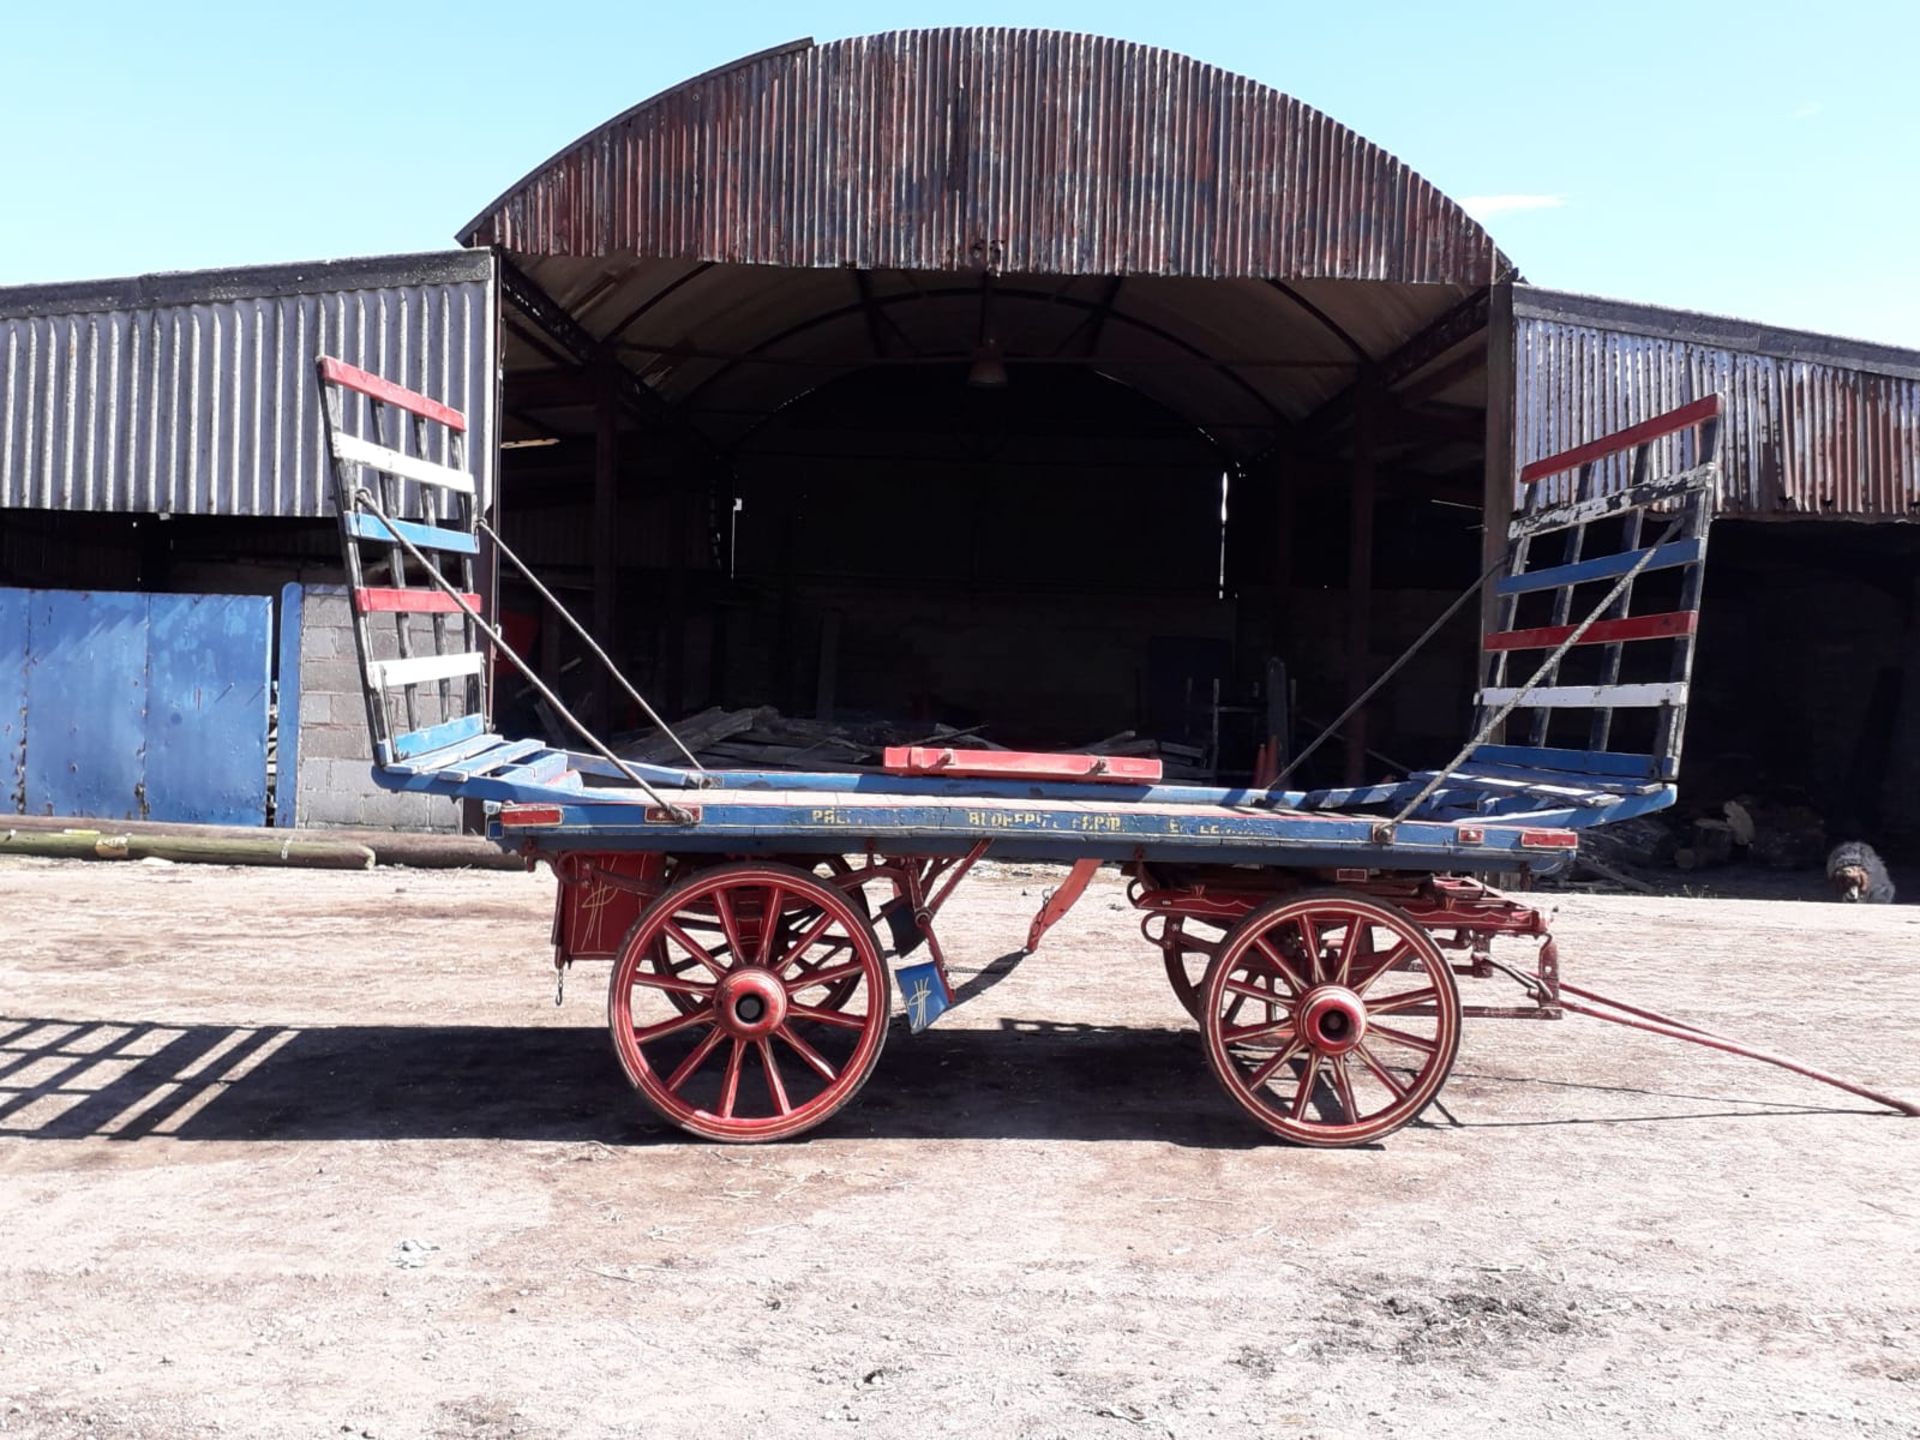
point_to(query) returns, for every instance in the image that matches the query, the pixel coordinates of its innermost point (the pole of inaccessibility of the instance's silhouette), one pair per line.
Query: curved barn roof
(1014, 150)
(1020, 154)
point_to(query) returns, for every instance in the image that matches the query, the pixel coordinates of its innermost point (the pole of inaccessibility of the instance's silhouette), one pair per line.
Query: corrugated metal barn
(1011, 378)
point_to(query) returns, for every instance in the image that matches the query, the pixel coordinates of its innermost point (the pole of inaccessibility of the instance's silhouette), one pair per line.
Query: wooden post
(1361, 497)
(1496, 508)
(606, 545)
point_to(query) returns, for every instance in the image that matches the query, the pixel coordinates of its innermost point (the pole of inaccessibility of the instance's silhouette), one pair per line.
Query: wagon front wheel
(750, 1002)
(1331, 1019)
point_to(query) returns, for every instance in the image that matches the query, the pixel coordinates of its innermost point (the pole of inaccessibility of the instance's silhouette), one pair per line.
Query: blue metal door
(86, 716)
(209, 681)
(135, 707)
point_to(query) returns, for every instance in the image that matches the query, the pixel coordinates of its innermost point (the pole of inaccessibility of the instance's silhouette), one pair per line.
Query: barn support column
(1361, 498)
(606, 545)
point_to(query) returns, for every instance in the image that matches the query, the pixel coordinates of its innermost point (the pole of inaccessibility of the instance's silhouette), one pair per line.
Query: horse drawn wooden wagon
(752, 919)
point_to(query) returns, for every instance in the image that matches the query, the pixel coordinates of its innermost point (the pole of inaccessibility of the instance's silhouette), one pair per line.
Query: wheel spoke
(808, 939)
(1380, 1072)
(1358, 946)
(1311, 935)
(1343, 1087)
(730, 1087)
(1241, 987)
(1394, 957)
(769, 923)
(774, 1084)
(694, 948)
(828, 1017)
(1395, 1004)
(1242, 1034)
(807, 979)
(1401, 1037)
(729, 922)
(673, 983)
(696, 1058)
(1272, 1067)
(648, 1033)
(1295, 982)
(807, 1053)
(1305, 1087)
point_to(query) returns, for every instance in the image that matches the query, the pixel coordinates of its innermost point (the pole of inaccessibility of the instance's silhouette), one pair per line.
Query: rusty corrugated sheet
(1814, 425)
(193, 394)
(1016, 150)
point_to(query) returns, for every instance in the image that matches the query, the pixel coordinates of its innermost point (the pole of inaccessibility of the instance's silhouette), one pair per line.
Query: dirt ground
(313, 1154)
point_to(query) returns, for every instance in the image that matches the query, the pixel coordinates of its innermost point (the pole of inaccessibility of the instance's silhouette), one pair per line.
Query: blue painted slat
(543, 769)
(427, 537)
(438, 737)
(1560, 779)
(1602, 567)
(14, 606)
(86, 704)
(209, 664)
(487, 762)
(448, 758)
(1578, 762)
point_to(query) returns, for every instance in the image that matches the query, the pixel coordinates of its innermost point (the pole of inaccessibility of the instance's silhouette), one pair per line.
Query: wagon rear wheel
(737, 1037)
(1331, 1019)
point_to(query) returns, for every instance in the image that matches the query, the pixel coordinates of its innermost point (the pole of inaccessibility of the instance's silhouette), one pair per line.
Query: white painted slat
(1588, 697)
(355, 450)
(1575, 512)
(385, 674)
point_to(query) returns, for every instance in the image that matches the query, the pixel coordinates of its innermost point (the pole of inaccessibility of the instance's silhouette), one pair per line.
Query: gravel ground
(313, 1154)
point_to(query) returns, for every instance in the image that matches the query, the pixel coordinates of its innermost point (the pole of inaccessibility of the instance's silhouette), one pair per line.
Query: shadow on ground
(74, 1079)
(68, 1079)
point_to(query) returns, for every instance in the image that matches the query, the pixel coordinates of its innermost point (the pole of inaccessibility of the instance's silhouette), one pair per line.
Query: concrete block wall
(333, 758)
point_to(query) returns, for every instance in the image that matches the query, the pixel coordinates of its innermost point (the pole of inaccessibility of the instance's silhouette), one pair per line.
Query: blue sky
(1754, 159)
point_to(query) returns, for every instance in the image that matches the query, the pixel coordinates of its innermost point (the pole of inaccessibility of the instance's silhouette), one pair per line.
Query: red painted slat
(1685, 418)
(338, 372)
(1018, 764)
(410, 602)
(1601, 632)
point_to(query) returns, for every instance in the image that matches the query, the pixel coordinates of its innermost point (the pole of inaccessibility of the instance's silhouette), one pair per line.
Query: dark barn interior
(1056, 506)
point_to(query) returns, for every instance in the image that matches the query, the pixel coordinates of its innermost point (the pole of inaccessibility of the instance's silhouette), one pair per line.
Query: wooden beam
(1360, 514)
(606, 544)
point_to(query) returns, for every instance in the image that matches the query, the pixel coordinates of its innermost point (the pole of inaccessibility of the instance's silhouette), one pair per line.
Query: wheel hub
(751, 1003)
(1333, 1019)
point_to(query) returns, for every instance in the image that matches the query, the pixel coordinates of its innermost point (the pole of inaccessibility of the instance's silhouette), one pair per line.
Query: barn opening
(1058, 420)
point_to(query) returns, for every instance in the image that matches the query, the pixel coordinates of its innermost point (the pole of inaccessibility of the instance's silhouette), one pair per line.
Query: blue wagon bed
(755, 922)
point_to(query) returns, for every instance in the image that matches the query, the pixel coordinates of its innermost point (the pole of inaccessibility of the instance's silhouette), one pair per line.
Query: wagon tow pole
(1618, 1012)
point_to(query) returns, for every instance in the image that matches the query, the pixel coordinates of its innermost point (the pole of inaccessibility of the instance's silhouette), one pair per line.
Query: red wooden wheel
(1332, 1019)
(736, 1038)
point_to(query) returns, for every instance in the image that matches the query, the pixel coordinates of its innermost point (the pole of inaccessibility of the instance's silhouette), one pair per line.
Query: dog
(1857, 873)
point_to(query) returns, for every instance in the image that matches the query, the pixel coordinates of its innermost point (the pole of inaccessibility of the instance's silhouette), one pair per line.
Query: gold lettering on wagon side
(828, 816)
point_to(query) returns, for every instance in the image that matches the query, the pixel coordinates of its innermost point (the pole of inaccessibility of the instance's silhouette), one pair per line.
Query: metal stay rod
(1387, 674)
(1616, 1012)
(366, 498)
(1442, 775)
(593, 645)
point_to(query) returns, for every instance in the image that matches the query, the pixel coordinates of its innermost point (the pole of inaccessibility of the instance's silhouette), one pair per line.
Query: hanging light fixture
(988, 370)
